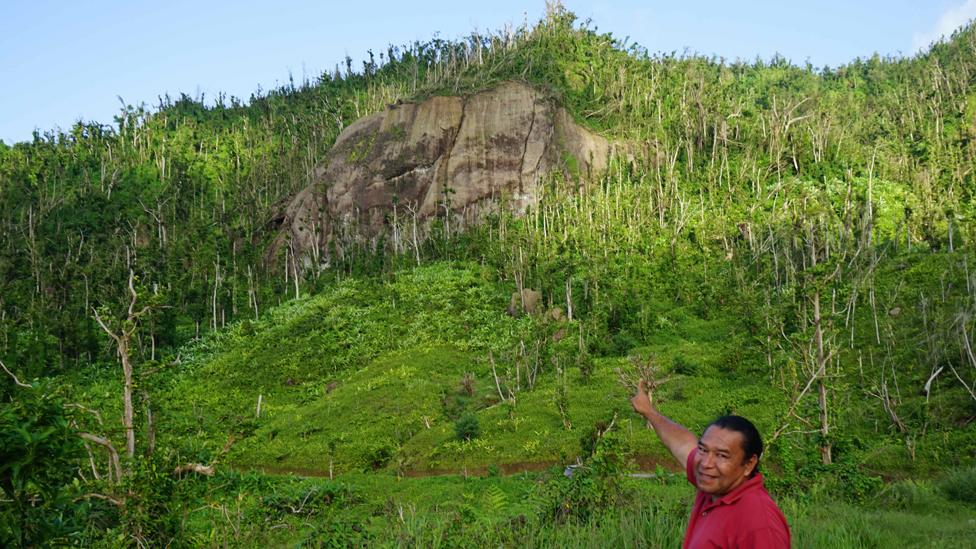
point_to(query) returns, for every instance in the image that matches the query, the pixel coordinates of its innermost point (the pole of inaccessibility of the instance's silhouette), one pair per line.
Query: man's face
(719, 466)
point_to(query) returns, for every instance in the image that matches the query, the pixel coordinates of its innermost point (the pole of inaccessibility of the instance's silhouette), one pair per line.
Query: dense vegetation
(788, 243)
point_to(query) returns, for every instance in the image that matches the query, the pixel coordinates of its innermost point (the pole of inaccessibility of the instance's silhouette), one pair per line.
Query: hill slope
(791, 245)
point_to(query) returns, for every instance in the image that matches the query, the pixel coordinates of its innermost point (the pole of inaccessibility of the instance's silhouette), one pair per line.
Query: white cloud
(952, 19)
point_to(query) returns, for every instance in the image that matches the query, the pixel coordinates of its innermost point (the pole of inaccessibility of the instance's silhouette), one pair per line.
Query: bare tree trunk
(122, 348)
(214, 297)
(251, 292)
(122, 344)
(150, 426)
(416, 244)
(127, 418)
(494, 374)
(294, 270)
(821, 364)
(825, 448)
(569, 299)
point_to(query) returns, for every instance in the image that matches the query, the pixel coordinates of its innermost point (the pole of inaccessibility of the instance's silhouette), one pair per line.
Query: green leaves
(467, 427)
(38, 455)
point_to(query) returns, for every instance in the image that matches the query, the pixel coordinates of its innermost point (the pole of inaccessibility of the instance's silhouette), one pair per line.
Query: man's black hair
(752, 444)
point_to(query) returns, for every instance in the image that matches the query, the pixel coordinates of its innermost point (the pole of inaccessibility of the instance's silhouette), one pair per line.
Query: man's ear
(751, 464)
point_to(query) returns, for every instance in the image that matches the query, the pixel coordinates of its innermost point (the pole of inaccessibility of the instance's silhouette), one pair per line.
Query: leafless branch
(113, 500)
(132, 292)
(494, 373)
(796, 401)
(17, 381)
(101, 323)
(199, 468)
(641, 368)
(928, 384)
(91, 461)
(84, 409)
(116, 468)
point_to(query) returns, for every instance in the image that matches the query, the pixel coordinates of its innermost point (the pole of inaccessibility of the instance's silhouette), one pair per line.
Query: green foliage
(750, 193)
(378, 454)
(684, 366)
(39, 451)
(152, 504)
(467, 427)
(910, 495)
(310, 500)
(593, 486)
(960, 485)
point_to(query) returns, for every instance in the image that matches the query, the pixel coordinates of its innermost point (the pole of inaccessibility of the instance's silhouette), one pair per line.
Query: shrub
(467, 427)
(152, 499)
(467, 385)
(593, 487)
(307, 500)
(38, 459)
(684, 366)
(247, 328)
(960, 485)
(379, 454)
(910, 495)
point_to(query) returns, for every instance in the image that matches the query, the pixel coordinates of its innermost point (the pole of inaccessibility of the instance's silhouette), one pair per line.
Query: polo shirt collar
(740, 490)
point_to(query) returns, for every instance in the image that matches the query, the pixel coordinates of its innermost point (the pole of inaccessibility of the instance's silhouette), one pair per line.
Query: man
(732, 508)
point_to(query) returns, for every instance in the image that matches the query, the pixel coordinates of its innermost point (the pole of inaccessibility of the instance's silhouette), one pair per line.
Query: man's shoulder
(759, 522)
(766, 538)
(762, 511)
(758, 497)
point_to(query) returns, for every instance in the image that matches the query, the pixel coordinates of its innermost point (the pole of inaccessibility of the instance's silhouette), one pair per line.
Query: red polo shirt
(744, 518)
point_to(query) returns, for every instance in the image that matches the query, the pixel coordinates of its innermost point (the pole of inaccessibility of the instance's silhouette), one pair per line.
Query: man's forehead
(720, 438)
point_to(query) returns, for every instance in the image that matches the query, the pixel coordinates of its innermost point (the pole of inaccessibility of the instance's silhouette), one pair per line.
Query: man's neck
(716, 497)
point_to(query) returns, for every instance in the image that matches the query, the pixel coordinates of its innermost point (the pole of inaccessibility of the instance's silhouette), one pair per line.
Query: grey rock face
(448, 156)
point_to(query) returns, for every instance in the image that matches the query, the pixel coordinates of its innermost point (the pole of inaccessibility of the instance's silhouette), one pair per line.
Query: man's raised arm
(679, 441)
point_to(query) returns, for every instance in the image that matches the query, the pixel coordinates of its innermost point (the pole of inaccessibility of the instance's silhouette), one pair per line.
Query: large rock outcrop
(449, 156)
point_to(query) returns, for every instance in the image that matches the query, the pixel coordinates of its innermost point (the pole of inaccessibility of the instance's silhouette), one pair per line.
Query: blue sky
(61, 61)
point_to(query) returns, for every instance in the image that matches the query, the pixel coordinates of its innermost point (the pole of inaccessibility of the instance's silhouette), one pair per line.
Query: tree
(122, 336)
(39, 452)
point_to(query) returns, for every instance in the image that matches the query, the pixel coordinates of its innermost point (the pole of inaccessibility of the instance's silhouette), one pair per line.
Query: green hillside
(355, 375)
(787, 243)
